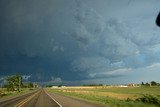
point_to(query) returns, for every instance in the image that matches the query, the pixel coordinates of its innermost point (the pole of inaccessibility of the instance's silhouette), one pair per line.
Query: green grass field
(112, 96)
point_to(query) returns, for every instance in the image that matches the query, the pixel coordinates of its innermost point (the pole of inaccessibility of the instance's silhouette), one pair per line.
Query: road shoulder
(66, 101)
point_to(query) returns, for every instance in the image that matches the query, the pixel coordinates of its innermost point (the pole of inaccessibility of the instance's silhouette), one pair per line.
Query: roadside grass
(113, 96)
(4, 94)
(129, 92)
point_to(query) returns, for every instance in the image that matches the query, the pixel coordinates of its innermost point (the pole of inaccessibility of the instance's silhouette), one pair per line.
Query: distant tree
(30, 85)
(142, 83)
(59, 85)
(24, 85)
(153, 83)
(92, 84)
(147, 84)
(14, 83)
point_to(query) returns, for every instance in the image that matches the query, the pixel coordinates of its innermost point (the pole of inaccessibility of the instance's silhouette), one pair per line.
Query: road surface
(41, 98)
(72, 102)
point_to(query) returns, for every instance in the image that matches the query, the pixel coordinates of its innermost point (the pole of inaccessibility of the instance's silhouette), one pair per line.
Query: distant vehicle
(158, 20)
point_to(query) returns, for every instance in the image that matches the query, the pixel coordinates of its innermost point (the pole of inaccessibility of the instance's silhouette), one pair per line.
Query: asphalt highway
(39, 98)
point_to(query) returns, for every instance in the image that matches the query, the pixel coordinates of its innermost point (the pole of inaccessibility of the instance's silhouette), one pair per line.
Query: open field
(111, 96)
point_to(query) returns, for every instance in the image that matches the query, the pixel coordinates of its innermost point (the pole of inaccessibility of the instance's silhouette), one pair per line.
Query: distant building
(54, 87)
(58, 86)
(133, 85)
(123, 86)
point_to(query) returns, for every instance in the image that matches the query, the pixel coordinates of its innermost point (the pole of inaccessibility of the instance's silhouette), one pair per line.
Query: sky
(75, 42)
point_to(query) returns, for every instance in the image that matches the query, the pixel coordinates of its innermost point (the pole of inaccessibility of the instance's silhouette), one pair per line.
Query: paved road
(72, 102)
(36, 99)
(41, 98)
(13, 101)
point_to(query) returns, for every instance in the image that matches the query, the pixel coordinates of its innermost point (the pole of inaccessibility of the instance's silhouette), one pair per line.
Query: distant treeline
(92, 85)
(152, 83)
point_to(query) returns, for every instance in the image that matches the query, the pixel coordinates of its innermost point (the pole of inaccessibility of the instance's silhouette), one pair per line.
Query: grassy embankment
(4, 94)
(112, 96)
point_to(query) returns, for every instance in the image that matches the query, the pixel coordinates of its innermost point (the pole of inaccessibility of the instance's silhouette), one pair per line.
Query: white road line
(53, 98)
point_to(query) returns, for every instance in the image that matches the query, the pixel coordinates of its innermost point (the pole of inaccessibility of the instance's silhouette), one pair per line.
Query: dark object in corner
(158, 20)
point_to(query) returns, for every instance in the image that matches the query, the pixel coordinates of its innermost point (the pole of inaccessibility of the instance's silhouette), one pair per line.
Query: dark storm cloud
(57, 40)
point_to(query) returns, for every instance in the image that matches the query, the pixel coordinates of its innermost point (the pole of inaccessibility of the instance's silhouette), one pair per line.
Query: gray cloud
(89, 39)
